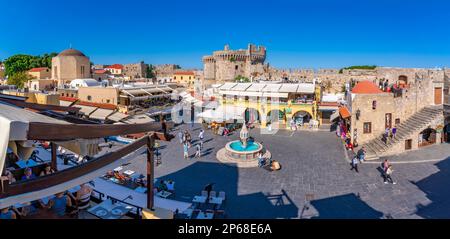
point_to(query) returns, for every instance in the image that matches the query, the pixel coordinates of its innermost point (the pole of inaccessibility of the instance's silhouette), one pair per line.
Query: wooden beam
(150, 172)
(54, 132)
(66, 175)
(41, 107)
(54, 164)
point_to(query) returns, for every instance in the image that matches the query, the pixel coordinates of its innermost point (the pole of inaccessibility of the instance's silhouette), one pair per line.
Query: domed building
(70, 64)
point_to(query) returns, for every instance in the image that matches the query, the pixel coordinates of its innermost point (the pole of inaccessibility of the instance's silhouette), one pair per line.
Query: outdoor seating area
(204, 207)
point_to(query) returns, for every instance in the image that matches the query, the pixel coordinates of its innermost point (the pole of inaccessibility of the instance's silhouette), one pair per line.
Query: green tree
(362, 67)
(19, 79)
(150, 71)
(21, 62)
(241, 79)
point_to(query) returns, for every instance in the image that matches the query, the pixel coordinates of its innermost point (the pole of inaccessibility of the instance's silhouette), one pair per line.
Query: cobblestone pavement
(314, 164)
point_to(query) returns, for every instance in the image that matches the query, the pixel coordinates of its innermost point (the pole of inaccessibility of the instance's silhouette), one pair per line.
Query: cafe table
(164, 194)
(199, 199)
(205, 215)
(109, 210)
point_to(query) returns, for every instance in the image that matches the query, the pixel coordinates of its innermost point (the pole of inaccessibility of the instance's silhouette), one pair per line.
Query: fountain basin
(235, 150)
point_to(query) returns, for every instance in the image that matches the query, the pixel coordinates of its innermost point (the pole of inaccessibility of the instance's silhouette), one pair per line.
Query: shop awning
(65, 103)
(251, 94)
(87, 110)
(275, 95)
(223, 113)
(328, 108)
(344, 112)
(100, 114)
(334, 116)
(117, 116)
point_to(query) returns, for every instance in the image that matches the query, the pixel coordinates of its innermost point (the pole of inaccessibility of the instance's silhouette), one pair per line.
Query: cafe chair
(219, 214)
(222, 195)
(212, 194)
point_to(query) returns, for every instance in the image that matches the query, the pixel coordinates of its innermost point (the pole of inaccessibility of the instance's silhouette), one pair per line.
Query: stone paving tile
(312, 162)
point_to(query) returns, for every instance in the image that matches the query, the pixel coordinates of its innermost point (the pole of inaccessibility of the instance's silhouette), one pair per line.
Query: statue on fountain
(244, 135)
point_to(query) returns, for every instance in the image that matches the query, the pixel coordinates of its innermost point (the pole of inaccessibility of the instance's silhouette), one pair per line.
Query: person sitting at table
(28, 174)
(7, 213)
(47, 170)
(7, 175)
(170, 186)
(275, 165)
(82, 198)
(162, 186)
(59, 203)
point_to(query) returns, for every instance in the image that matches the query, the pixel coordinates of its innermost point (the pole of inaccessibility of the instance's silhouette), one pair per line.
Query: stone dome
(71, 52)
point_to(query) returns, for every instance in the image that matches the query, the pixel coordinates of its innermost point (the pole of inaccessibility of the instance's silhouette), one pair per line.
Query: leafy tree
(19, 79)
(150, 71)
(241, 79)
(21, 62)
(362, 67)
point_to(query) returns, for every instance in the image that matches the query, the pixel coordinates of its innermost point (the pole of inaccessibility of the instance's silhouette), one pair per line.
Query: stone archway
(252, 115)
(302, 117)
(275, 115)
(427, 137)
(446, 130)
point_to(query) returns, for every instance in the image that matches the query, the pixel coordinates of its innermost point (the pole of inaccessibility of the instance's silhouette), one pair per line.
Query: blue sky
(321, 33)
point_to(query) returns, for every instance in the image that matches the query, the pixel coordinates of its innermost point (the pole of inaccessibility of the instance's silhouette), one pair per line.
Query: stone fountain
(243, 152)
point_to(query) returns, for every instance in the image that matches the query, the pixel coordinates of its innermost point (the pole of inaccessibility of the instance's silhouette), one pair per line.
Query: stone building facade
(373, 112)
(226, 65)
(70, 64)
(165, 70)
(135, 71)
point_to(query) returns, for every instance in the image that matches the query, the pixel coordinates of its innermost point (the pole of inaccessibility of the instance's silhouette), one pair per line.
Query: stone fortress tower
(226, 65)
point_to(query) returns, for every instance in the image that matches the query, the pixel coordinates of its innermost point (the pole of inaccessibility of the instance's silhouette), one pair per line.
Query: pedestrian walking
(198, 152)
(386, 135)
(261, 160)
(394, 131)
(355, 164)
(188, 138)
(388, 175)
(180, 136)
(201, 136)
(185, 151)
(361, 154)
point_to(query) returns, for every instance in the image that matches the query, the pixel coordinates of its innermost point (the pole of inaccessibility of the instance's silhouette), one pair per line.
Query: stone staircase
(406, 130)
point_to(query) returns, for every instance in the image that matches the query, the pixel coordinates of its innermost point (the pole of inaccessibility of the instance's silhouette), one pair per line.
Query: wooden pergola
(63, 132)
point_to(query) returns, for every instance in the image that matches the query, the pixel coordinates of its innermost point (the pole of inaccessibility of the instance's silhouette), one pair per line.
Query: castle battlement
(226, 64)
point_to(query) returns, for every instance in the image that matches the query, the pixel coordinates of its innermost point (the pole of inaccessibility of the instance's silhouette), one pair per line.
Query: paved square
(314, 164)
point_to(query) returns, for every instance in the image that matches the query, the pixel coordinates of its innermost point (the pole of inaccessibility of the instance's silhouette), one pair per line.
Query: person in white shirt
(201, 136)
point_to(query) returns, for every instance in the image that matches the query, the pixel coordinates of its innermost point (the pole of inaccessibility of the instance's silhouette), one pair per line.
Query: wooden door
(408, 144)
(438, 95)
(388, 121)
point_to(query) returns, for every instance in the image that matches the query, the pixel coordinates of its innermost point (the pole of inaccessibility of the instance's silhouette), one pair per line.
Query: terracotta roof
(38, 69)
(115, 66)
(344, 112)
(184, 73)
(92, 104)
(100, 71)
(71, 99)
(366, 87)
(98, 105)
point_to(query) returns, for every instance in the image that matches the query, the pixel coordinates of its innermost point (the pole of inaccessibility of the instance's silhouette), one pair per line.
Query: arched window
(374, 104)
